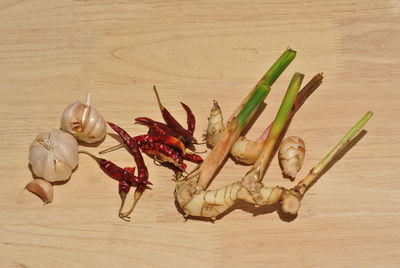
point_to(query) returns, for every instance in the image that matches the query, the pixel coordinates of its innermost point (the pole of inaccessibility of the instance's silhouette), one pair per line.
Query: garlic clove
(70, 147)
(84, 122)
(41, 188)
(291, 155)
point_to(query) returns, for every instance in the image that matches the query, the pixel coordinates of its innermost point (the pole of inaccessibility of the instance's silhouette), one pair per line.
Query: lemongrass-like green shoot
(342, 143)
(278, 124)
(302, 96)
(269, 77)
(292, 203)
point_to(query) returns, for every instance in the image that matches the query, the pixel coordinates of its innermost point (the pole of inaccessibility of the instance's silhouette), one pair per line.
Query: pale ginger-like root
(291, 155)
(196, 201)
(213, 203)
(215, 126)
(246, 151)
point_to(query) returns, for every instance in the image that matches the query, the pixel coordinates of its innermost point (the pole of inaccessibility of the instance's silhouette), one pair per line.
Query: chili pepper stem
(113, 148)
(123, 198)
(158, 98)
(136, 198)
(97, 159)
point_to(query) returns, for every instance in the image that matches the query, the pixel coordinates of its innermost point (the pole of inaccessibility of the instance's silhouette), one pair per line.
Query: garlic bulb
(84, 122)
(291, 155)
(53, 155)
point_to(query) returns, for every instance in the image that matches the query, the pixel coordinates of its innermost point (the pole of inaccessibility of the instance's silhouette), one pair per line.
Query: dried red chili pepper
(118, 173)
(163, 152)
(121, 174)
(191, 120)
(168, 140)
(143, 173)
(157, 128)
(171, 121)
(195, 158)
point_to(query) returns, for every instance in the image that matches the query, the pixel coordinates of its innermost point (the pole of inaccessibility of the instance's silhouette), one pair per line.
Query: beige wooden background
(53, 52)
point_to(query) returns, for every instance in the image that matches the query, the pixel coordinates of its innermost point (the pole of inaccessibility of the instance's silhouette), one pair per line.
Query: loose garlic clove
(84, 122)
(54, 155)
(291, 155)
(43, 189)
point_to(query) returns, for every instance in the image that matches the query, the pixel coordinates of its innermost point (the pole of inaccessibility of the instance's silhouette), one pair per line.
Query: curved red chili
(143, 173)
(163, 152)
(191, 120)
(120, 174)
(171, 121)
(156, 127)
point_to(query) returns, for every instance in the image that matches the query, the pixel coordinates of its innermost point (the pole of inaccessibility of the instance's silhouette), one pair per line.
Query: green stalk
(303, 185)
(278, 125)
(342, 143)
(270, 76)
(254, 101)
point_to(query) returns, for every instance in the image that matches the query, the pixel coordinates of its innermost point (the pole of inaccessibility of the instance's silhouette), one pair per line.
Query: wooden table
(53, 52)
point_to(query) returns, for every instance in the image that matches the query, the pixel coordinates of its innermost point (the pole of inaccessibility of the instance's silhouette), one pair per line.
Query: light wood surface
(53, 52)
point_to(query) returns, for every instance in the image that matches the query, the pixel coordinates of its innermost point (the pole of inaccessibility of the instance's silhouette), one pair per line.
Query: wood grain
(53, 52)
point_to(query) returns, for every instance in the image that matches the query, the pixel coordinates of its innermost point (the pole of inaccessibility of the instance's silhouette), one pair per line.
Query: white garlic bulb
(291, 155)
(84, 122)
(53, 155)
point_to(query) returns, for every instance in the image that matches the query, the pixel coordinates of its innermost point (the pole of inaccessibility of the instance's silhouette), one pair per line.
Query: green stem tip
(279, 66)
(343, 142)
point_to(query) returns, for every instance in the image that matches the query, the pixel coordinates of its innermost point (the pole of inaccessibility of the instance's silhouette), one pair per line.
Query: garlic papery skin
(291, 155)
(84, 122)
(53, 155)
